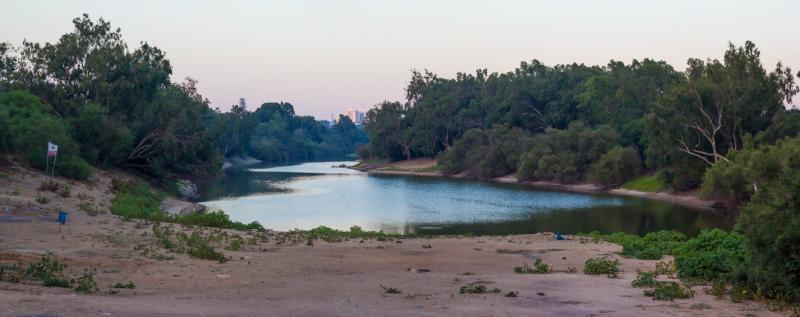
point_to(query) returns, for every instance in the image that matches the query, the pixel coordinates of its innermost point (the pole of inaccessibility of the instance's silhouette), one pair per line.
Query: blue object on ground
(62, 217)
(559, 236)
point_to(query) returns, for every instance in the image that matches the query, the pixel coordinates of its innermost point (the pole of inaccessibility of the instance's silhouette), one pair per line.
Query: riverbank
(427, 167)
(283, 274)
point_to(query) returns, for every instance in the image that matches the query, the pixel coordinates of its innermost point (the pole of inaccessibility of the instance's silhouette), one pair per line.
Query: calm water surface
(307, 195)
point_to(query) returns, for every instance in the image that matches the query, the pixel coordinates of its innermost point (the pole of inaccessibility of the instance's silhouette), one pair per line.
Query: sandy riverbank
(423, 167)
(279, 277)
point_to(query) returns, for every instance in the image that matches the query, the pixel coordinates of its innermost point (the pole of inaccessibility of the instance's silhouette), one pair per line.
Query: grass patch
(650, 184)
(430, 169)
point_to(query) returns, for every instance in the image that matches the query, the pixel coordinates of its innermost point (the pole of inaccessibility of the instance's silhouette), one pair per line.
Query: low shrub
(128, 285)
(665, 268)
(205, 251)
(65, 191)
(538, 268)
(49, 270)
(669, 291)
(645, 279)
(47, 267)
(85, 283)
(602, 265)
(88, 209)
(234, 245)
(42, 200)
(49, 185)
(477, 289)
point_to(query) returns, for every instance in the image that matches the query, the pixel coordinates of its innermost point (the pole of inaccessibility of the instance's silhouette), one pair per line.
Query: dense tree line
(719, 124)
(677, 123)
(273, 133)
(107, 105)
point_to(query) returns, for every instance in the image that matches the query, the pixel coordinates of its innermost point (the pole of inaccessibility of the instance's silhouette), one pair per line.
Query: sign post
(52, 151)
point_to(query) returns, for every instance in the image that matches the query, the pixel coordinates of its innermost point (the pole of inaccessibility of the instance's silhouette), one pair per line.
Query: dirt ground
(275, 277)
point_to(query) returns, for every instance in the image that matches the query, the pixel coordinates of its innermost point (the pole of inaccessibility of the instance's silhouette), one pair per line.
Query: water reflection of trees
(639, 217)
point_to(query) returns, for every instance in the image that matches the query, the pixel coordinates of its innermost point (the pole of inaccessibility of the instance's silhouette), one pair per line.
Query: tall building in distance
(242, 104)
(356, 116)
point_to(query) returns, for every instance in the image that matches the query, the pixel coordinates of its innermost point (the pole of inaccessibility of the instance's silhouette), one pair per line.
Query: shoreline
(288, 273)
(683, 199)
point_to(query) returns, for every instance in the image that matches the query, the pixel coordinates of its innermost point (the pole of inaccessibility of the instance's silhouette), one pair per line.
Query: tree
(387, 126)
(770, 222)
(717, 103)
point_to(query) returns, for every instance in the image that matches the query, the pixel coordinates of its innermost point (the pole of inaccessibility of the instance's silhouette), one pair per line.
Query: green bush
(714, 254)
(669, 291)
(616, 166)
(653, 245)
(601, 265)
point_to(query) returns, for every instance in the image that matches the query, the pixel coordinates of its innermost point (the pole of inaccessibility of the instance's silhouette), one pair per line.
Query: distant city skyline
(324, 57)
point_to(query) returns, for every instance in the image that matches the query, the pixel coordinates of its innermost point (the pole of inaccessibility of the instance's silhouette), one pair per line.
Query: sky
(327, 56)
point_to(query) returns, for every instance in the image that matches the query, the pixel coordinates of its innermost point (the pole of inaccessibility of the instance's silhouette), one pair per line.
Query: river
(307, 195)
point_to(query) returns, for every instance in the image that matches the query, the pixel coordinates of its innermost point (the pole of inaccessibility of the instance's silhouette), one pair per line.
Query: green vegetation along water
(307, 195)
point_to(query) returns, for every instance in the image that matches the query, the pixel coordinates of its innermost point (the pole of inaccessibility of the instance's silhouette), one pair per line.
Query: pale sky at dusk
(326, 56)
